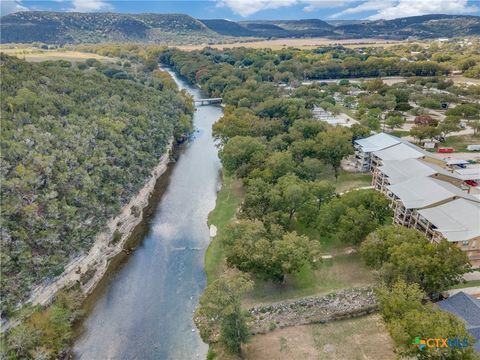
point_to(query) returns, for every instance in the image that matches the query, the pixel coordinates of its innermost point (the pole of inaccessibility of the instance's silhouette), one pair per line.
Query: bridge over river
(201, 102)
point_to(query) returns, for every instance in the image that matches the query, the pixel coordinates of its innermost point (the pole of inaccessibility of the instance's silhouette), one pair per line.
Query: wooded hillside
(76, 145)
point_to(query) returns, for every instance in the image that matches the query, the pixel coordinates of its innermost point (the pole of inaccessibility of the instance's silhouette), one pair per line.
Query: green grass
(348, 181)
(400, 133)
(459, 143)
(471, 283)
(332, 274)
(340, 272)
(226, 205)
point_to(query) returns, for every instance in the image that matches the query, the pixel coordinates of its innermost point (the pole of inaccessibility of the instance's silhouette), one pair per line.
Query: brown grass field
(363, 338)
(307, 43)
(37, 55)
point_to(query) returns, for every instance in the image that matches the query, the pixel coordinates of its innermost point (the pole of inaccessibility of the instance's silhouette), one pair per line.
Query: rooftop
(401, 170)
(377, 142)
(457, 220)
(420, 192)
(467, 308)
(399, 152)
(471, 172)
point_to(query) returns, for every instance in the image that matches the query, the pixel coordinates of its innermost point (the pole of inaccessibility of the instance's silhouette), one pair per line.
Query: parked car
(471, 183)
(473, 147)
(445, 150)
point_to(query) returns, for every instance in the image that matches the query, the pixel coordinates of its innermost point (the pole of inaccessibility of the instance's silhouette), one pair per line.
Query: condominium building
(395, 171)
(458, 221)
(426, 192)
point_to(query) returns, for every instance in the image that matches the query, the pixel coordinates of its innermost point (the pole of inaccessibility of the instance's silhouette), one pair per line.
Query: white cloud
(90, 5)
(422, 7)
(248, 7)
(392, 9)
(11, 6)
(312, 5)
(384, 9)
(375, 5)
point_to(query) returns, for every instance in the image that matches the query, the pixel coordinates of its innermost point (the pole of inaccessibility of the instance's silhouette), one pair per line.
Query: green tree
(352, 216)
(268, 254)
(289, 195)
(405, 254)
(334, 145)
(449, 124)
(234, 330)
(475, 125)
(219, 310)
(394, 122)
(407, 317)
(422, 132)
(241, 153)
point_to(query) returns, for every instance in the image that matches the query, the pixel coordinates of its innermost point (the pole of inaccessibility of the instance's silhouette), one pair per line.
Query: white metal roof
(421, 192)
(377, 142)
(455, 161)
(470, 173)
(457, 220)
(402, 170)
(399, 152)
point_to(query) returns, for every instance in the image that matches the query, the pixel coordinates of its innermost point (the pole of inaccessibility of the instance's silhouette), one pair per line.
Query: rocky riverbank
(89, 268)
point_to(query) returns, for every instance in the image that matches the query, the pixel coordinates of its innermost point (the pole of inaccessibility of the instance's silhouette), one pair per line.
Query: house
(457, 221)
(467, 308)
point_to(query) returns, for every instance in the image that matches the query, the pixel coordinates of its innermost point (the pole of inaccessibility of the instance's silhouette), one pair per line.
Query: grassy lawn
(459, 143)
(226, 205)
(359, 338)
(400, 133)
(340, 272)
(348, 181)
(471, 283)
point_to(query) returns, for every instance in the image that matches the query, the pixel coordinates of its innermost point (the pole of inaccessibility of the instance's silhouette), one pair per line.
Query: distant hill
(425, 26)
(290, 28)
(227, 27)
(61, 28)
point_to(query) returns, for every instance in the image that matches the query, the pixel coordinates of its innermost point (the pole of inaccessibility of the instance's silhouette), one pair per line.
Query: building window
(465, 243)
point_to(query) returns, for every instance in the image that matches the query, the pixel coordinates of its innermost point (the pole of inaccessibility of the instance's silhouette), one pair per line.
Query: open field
(37, 55)
(360, 338)
(306, 43)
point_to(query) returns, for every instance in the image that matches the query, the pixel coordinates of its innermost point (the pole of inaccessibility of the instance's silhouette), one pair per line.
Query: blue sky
(258, 9)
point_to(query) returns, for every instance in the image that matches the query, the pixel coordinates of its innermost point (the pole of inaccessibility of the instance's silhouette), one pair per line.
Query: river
(145, 310)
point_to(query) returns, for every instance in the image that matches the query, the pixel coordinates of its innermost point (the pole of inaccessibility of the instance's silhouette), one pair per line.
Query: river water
(145, 311)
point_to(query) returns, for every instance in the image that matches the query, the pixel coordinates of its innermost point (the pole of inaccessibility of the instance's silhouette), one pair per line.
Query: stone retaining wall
(336, 306)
